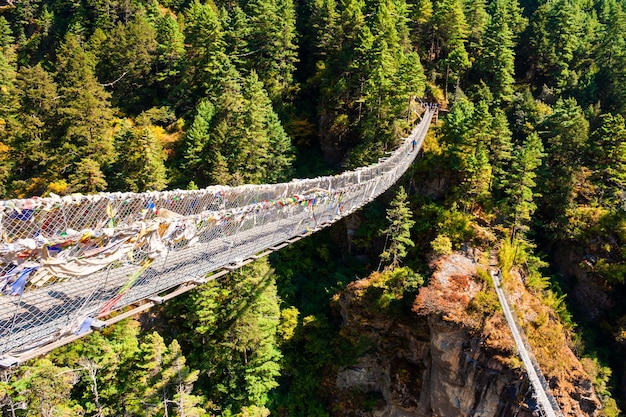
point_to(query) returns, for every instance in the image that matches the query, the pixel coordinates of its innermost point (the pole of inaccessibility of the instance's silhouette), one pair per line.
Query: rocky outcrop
(446, 358)
(591, 292)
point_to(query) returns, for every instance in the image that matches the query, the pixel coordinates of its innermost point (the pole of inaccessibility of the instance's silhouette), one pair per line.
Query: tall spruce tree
(233, 325)
(126, 59)
(608, 144)
(611, 58)
(205, 61)
(272, 44)
(84, 142)
(520, 185)
(9, 104)
(556, 33)
(500, 150)
(398, 232)
(498, 56)
(450, 39)
(140, 165)
(170, 50)
(566, 142)
(196, 140)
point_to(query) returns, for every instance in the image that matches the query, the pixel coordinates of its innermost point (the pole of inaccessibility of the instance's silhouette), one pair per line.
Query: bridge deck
(135, 247)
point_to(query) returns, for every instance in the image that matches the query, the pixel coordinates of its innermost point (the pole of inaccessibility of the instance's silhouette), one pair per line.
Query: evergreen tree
(205, 62)
(450, 38)
(608, 143)
(170, 50)
(125, 63)
(266, 144)
(476, 164)
(501, 149)
(140, 164)
(455, 130)
(185, 404)
(612, 57)
(234, 324)
(477, 20)
(497, 58)
(272, 43)
(228, 131)
(237, 34)
(566, 143)
(239, 139)
(398, 232)
(84, 143)
(195, 162)
(114, 354)
(162, 381)
(520, 186)
(9, 107)
(324, 28)
(8, 96)
(556, 33)
(45, 388)
(32, 148)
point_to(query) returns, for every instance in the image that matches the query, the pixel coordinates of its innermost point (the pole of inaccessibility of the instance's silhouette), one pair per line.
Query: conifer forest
(528, 152)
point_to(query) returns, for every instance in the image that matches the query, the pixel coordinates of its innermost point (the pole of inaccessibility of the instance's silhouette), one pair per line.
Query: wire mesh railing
(542, 380)
(65, 261)
(546, 402)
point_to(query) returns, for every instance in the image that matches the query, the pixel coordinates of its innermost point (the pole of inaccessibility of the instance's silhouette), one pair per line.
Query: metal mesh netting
(67, 260)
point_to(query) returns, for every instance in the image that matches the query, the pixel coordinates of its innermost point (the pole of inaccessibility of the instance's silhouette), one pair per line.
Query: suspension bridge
(74, 264)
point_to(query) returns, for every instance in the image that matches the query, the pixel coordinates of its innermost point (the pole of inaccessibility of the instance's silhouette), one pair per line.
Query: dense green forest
(141, 95)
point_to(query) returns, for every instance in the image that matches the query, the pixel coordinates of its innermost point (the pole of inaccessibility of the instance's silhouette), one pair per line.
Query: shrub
(485, 303)
(441, 245)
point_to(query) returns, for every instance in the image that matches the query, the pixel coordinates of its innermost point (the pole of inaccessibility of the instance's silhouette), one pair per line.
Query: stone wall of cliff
(447, 358)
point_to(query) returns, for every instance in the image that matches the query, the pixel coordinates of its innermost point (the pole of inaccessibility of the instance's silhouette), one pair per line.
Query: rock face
(590, 291)
(443, 359)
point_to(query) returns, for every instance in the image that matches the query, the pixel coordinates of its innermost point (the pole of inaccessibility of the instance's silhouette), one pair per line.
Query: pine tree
(456, 127)
(520, 186)
(325, 28)
(473, 152)
(451, 37)
(398, 232)
(498, 56)
(45, 389)
(612, 57)
(205, 62)
(237, 35)
(272, 43)
(238, 138)
(114, 354)
(500, 149)
(235, 322)
(556, 33)
(85, 144)
(125, 62)
(9, 109)
(477, 20)
(565, 134)
(32, 148)
(266, 145)
(195, 144)
(8, 96)
(608, 143)
(140, 165)
(170, 49)
(182, 380)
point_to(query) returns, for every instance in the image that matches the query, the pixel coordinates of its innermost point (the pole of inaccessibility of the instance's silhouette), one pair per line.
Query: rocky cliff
(450, 354)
